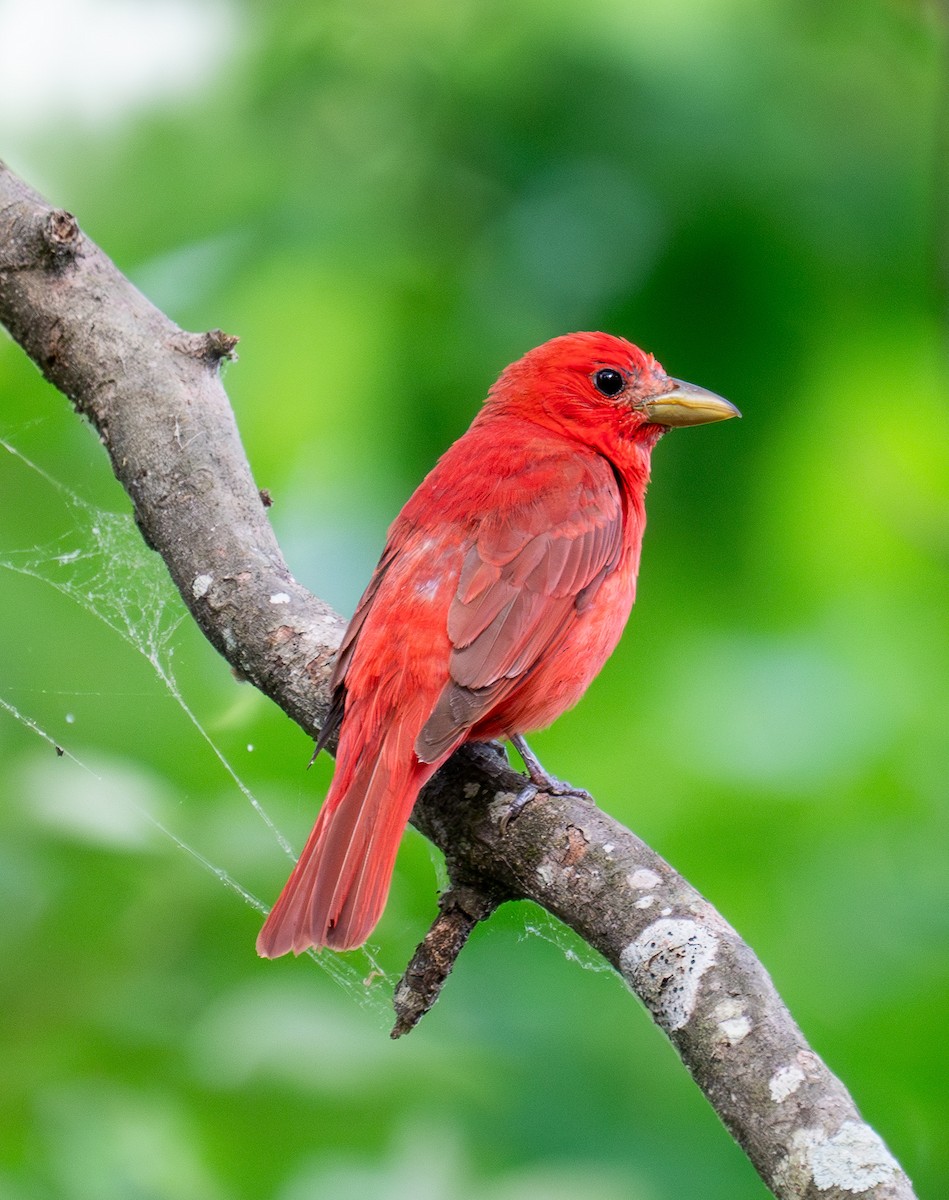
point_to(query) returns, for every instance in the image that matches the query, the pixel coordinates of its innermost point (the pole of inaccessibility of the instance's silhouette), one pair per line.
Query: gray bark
(154, 394)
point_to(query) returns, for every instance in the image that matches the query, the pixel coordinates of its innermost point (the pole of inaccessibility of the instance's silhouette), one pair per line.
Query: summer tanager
(503, 588)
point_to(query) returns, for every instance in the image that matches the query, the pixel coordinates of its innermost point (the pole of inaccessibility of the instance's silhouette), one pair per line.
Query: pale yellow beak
(687, 404)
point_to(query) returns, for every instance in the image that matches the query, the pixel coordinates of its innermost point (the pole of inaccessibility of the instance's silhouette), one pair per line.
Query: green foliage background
(389, 202)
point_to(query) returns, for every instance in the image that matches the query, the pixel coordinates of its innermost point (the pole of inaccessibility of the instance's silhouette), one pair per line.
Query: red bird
(503, 588)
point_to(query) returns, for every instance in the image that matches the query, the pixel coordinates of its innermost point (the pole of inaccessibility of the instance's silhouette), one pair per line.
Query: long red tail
(337, 891)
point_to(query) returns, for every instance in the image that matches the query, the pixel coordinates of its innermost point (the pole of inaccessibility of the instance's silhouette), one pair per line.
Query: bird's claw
(560, 787)
(546, 786)
(540, 779)
(527, 793)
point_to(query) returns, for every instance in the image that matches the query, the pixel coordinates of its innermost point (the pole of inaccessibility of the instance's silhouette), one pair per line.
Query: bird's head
(604, 391)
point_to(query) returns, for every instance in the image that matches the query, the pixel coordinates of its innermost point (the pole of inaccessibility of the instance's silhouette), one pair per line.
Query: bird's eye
(609, 382)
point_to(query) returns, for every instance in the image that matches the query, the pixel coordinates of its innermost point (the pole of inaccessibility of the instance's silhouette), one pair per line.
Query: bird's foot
(517, 806)
(540, 783)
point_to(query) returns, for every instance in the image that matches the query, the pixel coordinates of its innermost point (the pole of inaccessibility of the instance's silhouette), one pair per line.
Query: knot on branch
(210, 348)
(38, 238)
(61, 234)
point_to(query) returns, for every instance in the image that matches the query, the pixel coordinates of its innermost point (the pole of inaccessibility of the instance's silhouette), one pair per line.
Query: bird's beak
(687, 404)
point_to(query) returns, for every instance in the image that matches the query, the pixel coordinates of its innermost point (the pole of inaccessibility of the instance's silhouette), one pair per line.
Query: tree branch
(154, 394)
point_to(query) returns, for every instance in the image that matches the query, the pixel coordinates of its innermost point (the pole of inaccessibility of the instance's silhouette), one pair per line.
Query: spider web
(101, 564)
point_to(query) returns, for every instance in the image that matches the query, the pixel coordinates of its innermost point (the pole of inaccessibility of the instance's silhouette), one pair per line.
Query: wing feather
(531, 569)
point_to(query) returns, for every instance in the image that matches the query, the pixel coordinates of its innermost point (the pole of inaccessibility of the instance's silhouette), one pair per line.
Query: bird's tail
(337, 891)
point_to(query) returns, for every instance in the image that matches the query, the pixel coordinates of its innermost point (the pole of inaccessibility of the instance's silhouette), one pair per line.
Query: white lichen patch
(545, 874)
(785, 1082)
(732, 1021)
(854, 1160)
(645, 902)
(471, 790)
(280, 598)
(200, 585)
(735, 1029)
(665, 965)
(644, 879)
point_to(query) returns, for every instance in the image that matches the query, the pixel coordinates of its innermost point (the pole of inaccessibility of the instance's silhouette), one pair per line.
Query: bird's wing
(534, 565)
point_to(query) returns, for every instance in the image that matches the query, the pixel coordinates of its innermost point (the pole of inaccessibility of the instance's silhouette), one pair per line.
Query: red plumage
(504, 586)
